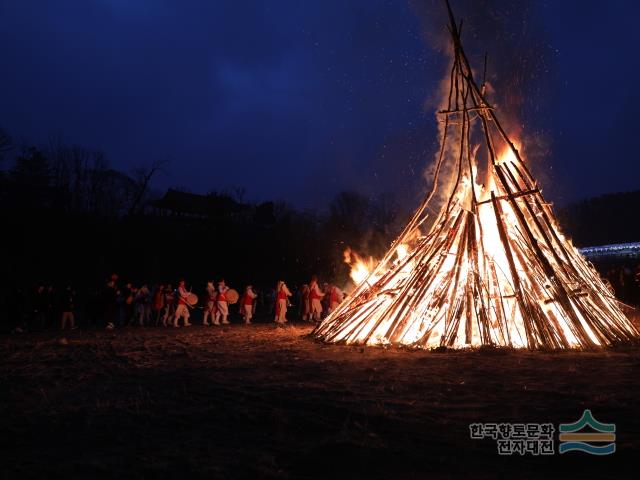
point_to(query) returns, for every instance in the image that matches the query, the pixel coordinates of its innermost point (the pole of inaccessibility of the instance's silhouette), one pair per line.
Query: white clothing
(181, 311)
(223, 312)
(248, 313)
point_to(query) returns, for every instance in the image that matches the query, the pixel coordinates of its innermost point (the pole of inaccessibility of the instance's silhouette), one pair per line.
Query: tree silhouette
(6, 143)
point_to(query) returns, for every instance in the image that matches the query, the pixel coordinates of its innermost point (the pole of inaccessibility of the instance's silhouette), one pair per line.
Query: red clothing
(313, 294)
(158, 301)
(168, 297)
(334, 295)
(247, 300)
(282, 295)
(221, 294)
(182, 296)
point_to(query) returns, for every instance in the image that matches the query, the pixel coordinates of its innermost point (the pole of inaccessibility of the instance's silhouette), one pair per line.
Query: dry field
(266, 402)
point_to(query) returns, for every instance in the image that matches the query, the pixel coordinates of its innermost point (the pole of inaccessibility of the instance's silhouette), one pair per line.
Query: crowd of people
(124, 304)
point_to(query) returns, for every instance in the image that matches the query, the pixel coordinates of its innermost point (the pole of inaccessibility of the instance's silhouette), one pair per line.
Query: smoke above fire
(519, 65)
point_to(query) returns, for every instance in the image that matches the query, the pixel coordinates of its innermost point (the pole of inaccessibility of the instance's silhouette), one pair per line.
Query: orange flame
(361, 267)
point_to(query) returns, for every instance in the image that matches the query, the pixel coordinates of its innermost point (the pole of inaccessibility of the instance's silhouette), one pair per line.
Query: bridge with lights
(617, 250)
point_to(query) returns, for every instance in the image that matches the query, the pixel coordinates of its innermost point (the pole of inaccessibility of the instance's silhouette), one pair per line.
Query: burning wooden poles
(494, 268)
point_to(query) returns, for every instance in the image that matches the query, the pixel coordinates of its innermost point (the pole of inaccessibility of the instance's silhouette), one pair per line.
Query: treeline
(68, 217)
(73, 179)
(611, 218)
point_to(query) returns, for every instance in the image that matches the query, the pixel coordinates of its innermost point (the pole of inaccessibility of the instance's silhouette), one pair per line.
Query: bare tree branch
(142, 179)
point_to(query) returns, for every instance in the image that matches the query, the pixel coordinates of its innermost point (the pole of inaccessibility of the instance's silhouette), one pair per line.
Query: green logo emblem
(598, 439)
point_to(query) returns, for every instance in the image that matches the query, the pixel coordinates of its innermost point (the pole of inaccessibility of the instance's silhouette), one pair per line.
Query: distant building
(194, 205)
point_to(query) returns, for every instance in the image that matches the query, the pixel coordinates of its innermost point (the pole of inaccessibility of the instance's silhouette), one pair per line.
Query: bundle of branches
(494, 268)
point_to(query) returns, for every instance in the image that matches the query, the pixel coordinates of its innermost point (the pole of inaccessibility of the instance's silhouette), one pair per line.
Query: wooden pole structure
(494, 268)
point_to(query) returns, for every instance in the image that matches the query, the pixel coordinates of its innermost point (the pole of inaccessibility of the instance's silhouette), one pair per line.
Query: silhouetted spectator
(68, 307)
(50, 313)
(16, 311)
(270, 301)
(143, 306)
(169, 306)
(304, 306)
(40, 307)
(110, 300)
(128, 294)
(158, 303)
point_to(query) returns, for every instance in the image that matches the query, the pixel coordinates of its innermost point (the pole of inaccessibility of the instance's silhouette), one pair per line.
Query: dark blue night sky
(297, 100)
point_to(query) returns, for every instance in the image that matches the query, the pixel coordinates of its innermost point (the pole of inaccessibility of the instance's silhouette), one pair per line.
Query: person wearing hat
(223, 305)
(210, 306)
(182, 310)
(282, 299)
(248, 300)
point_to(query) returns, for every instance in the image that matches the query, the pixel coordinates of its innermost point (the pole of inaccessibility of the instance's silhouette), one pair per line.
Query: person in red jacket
(282, 300)
(182, 310)
(223, 305)
(248, 300)
(315, 295)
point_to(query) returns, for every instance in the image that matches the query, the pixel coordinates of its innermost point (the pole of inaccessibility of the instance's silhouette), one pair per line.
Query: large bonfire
(494, 268)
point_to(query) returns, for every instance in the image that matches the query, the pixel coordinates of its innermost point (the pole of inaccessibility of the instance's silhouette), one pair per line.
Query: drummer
(210, 307)
(182, 310)
(248, 300)
(282, 297)
(223, 305)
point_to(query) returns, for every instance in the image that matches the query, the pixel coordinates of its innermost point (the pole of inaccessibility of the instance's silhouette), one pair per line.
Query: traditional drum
(192, 299)
(232, 296)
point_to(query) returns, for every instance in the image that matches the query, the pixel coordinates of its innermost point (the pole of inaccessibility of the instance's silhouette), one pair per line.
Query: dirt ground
(262, 401)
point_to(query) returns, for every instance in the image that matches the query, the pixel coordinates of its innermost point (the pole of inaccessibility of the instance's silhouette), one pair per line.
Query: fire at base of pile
(494, 268)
